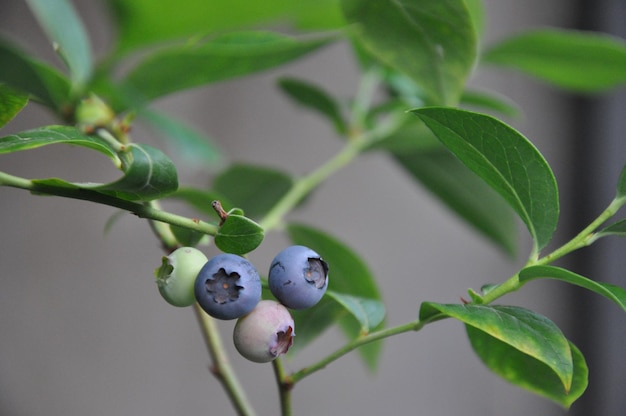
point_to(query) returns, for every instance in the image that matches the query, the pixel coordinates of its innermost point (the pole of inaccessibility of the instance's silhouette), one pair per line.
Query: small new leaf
(239, 235)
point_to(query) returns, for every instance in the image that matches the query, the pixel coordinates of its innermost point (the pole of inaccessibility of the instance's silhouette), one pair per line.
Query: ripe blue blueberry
(177, 275)
(265, 333)
(298, 277)
(228, 286)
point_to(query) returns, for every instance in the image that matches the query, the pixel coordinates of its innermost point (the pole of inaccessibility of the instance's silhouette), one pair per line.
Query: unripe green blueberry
(177, 274)
(265, 333)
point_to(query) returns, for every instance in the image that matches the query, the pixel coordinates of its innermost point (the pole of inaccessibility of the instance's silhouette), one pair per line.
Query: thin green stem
(358, 139)
(162, 231)
(586, 236)
(359, 342)
(113, 140)
(140, 210)
(283, 381)
(363, 98)
(306, 184)
(508, 286)
(15, 181)
(582, 239)
(221, 368)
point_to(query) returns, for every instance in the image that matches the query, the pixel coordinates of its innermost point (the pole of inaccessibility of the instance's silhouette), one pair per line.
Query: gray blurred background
(83, 330)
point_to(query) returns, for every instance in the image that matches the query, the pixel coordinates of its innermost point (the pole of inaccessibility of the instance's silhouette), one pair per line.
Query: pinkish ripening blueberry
(265, 333)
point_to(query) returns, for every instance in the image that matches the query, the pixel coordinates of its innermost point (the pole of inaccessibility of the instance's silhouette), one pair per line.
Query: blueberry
(298, 277)
(265, 333)
(177, 274)
(228, 286)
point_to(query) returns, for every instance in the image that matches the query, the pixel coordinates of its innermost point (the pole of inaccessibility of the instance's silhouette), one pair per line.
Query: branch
(139, 209)
(221, 368)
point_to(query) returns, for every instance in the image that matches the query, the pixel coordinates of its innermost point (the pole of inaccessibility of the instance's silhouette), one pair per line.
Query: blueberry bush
(413, 103)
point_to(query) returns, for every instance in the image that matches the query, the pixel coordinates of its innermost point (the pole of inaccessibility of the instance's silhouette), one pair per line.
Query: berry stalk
(221, 368)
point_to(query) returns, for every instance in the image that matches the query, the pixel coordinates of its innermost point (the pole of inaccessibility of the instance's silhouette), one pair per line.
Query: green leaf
(398, 84)
(227, 56)
(193, 146)
(187, 237)
(235, 211)
(617, 229)
(318, 15)
(65, 29)
(26, 75)
(526, 372)
(464, 193)
(476, 9)
(140, 23)
(342, 309)
(43, 136)
(348, 275)
(255, 189)
(239, 235)
(575, 60)
(609, 291)
(11, 103)
(370, 313)
(490, 101)
(412, 135)
(523, 330)
(348, 272)
(311, 323)
(315, 98)
(505, 160)
(148, 175)
(433, 42)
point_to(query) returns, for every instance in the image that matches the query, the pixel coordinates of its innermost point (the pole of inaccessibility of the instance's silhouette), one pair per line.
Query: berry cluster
(229, 287)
